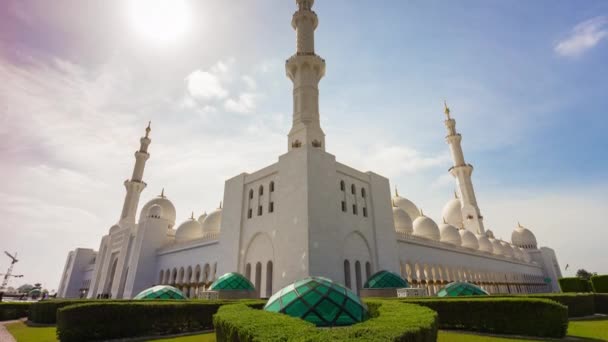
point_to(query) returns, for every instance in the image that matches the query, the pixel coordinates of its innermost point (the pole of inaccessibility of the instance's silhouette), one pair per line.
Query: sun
(159, 20)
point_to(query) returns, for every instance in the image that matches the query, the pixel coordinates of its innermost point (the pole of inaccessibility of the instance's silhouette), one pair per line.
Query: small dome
(213, 221)
(407, 205)
(449, 234)
(497, 247)
(202, 218)
(426, 228)
(457, 289)
(507, 250)
(319, 301)
(168, 212)
(155, 211)
(490, 234)
(468, 239)
(523, 237)
(189, 230)
(484, 243)
(452, 212)
(114, 229)
(232, 281)
(161, 292)
(403, 222)
(385, 280)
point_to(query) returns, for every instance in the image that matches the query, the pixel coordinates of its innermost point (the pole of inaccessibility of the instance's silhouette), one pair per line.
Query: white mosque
(307, 214)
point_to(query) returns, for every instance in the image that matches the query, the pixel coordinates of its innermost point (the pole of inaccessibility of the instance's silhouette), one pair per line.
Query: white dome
(213, 221)
(523, 237)
(155, 211)
(403, 222)
(525, 255)
(490, 234)
(484, 243)
(168, 212)
(468, 239)
(426, 228)
(407, 205)
(497, 247)
(508, 251)
(452, 212)
(202, 218)
(189, 230)
(449, 234)
(114, 228)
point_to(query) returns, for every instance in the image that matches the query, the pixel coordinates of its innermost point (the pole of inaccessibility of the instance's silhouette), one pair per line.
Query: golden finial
(421, 213)
(519, 224)
(148, 129)
(394, 205)
(192, 216)
(444, 221)
(446, 109)
(455, 194)
(220, 205)
(162, 193)
(396, 192)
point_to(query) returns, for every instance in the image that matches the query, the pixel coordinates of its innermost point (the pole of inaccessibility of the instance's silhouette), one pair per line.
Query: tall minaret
(471, 215)
(136, 185)
(305, 69)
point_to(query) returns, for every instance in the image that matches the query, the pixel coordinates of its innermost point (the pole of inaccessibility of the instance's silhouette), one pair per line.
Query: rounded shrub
(600, 283)
(575, 284)
(10, 311)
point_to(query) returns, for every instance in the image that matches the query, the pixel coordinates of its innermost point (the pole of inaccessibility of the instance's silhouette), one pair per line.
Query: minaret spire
(305, 69)
(136, 185)
(471, 215)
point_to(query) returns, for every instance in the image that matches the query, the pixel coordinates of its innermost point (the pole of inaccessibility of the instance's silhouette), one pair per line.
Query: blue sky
(526, 81)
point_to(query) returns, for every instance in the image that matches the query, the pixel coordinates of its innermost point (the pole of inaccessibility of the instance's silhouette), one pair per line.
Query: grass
(23, 333)
(594, 329)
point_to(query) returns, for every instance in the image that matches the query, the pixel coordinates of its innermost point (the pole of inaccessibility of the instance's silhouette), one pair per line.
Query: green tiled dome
(319, 301)
(161, 292)
(232, 281)
(456, 289)
(384, 280)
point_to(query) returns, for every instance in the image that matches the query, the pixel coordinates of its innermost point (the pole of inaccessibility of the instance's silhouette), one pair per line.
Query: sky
(80, 79)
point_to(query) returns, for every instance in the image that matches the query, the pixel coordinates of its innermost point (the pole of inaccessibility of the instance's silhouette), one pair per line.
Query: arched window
(251, 194)
(269, 279)
(347, 273)
(353, 190)
(248, 271)
(261, 190)
(368, 270)
(363, 192)
(271, 186)
(258, 277)
(342, 186)
(358, 275)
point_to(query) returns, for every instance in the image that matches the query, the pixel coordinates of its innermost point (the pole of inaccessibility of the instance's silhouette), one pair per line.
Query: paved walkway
(4, 334)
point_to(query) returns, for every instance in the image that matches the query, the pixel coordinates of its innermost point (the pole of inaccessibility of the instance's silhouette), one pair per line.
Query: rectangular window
(364, 212)
(249, 213)
(355, 209)
(343, 206)
(271, 207)
(260, 210)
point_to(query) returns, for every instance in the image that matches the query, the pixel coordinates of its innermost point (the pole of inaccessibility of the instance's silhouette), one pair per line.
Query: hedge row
(575, 284)
(600, 283)
(601, 303)
(502, 315)
(112, 320)
(390, 321)
(10, 311)
(579, 305)
(45, 311)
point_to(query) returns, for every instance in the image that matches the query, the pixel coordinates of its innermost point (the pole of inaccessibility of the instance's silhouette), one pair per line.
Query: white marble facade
(307, 214)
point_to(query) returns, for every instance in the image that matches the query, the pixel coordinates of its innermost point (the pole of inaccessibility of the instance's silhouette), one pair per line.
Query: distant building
(307, 214)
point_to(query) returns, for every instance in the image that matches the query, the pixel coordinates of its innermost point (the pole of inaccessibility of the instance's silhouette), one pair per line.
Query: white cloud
(205, 85)
(245, 103)
(249, 82)
(583, 37)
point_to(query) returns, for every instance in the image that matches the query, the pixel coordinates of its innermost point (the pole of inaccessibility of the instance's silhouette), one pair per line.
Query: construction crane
(9, 273)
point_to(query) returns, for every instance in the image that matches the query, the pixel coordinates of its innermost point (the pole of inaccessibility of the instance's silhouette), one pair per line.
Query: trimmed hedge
(10, 311)
(575, 284)
(112, 320)
(601, 303)
(600, 283)
(579, 305)
(45, 311)
(390, 321)
(502, 315)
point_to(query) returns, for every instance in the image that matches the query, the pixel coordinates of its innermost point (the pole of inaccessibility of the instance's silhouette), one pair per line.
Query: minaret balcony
(299, 62)
(306, 14)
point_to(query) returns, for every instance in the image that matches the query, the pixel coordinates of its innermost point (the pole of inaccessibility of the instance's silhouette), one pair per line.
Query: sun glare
(160, 20)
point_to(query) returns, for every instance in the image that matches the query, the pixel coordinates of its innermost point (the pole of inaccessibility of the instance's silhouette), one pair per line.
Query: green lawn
(595, 329)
